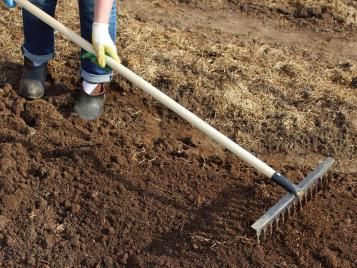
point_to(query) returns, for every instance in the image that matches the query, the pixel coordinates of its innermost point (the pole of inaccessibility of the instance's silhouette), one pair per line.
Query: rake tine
(294, 207)
(282, 217)
(300, 203)
(306, 197)
(311, 193)
(271, 229)
(288, 214)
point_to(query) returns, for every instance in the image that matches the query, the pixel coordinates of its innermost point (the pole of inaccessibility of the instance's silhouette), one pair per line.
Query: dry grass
(263, 95)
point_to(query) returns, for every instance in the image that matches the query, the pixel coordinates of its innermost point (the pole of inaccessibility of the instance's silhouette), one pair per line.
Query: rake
(296, 195)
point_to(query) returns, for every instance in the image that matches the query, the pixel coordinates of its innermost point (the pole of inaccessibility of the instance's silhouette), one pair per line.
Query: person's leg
(38, 49)
(39, 37)
(90, 100)
(91, 72)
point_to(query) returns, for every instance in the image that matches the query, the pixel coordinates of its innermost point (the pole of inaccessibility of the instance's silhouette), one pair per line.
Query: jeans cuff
(96, 78)
(38, 58)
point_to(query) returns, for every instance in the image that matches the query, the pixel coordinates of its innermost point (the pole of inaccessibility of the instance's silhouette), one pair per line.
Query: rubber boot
(90, 107)
(32, 79)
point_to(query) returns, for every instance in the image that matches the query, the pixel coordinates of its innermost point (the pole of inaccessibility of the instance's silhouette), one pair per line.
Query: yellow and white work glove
(103, 44)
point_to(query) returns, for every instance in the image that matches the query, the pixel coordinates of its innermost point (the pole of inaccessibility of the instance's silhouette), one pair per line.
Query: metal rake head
(290, 203)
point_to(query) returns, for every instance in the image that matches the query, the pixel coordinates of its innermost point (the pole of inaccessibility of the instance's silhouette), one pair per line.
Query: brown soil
(142, 188)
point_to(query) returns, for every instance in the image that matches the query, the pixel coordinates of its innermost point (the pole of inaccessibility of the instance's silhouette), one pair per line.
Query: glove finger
(112, 52)
(100, 53)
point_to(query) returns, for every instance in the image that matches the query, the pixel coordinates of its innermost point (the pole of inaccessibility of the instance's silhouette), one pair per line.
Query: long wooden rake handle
(165, 100)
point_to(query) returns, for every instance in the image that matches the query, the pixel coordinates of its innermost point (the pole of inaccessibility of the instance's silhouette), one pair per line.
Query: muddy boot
(32, 79)
(90, 107)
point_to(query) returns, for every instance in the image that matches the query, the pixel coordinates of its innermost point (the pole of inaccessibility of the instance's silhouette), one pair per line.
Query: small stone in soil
(67, 204)
(3, 222)
(124, 258)
(76, 208)
(108, 261)
(49, 241)
(328, 258)
(32, 235)
(354, 83)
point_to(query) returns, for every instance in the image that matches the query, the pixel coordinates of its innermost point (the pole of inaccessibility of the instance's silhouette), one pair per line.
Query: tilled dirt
(142, 188)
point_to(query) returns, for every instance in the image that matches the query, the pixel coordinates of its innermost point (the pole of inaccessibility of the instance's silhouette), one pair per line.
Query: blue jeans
(39, 37)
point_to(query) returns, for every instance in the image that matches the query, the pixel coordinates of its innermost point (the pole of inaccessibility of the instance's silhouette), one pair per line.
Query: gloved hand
(9, 3)
(103, 43)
